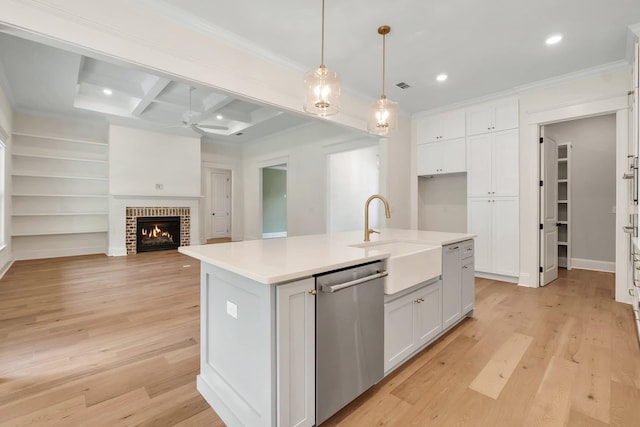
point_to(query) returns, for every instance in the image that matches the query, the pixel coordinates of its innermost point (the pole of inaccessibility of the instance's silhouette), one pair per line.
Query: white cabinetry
(458, 286)
(441, 157)
(411, 321)
(496, 224)
(295, 324)
(492, 117)
(440, 127)
(60, 188)
(492, 164)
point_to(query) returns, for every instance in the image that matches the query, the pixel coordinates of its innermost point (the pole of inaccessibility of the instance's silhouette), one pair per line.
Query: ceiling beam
(156, 86)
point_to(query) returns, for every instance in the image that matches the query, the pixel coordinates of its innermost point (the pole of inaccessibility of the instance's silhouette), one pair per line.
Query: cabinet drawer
(466, 249)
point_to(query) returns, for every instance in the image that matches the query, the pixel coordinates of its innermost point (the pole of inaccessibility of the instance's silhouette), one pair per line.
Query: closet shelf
(563, 244)
(99, 196)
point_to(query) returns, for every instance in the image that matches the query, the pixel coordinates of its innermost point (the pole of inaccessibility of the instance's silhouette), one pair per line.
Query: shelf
(562, 160)
(61, 195)
(563, 181)
(61, 214)
(563, 201)
(73, 159)
(60, 138)
(41, 175)
(57, 233)
(563, 244)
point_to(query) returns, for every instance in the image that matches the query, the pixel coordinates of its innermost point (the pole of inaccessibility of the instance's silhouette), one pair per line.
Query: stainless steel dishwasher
(349, 335)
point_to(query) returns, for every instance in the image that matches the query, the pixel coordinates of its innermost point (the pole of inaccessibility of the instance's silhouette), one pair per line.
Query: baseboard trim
(594, 265)
(498, 277)
(274, 235)
(6, 268)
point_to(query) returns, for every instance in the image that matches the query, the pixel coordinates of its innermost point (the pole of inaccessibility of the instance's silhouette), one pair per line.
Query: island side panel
(237, 348)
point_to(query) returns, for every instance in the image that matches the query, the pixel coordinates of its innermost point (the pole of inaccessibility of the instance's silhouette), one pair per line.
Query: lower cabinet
(296, 352)
(458, 281)
(410, 321)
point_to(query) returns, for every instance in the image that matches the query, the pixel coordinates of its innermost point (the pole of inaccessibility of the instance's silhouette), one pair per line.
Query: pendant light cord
(384, 49)
(322, 48)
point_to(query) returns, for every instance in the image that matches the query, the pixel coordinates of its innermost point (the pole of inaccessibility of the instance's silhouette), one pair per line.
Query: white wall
(593, 185)
(442, 203)
(353, 177)
(397, 169)
(140, 159)
(304, 151)
(6, 122)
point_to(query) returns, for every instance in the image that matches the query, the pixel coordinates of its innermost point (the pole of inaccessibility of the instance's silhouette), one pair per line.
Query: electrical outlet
(159, 187)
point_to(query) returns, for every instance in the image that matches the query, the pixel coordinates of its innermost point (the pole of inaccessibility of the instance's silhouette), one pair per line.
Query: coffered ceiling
(47, 80)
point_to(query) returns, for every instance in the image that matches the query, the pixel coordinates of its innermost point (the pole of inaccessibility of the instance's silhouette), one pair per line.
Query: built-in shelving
(59, 195)
(564, 206)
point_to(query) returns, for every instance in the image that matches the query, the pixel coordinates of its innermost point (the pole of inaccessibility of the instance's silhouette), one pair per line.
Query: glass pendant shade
(322, 91)
(383, 117)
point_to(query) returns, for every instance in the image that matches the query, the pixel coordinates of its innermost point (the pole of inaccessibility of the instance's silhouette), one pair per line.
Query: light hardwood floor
(105, 341)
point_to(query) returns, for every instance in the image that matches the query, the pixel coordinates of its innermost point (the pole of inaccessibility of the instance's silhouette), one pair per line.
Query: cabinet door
(398, 330)
(505, 164)
(428, 129)
(505, 226)
(468, 286)
(451, 285)
(429, 159)
(453, 124)
(454, 156)
(479, 166)
(479, 120)
(505, 115)
(428, 313)
(479, 222)
(295, 323)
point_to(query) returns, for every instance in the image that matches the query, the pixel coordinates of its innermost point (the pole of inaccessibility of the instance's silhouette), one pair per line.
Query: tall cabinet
(59, 189)
(493, 187)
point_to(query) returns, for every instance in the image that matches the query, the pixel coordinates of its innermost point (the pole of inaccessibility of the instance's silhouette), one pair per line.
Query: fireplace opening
(157, 233)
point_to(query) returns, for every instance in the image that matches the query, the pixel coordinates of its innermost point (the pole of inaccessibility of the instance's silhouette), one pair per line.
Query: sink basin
(410, 263)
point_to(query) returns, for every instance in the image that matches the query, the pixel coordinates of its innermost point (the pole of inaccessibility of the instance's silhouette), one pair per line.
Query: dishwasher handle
(335, 288)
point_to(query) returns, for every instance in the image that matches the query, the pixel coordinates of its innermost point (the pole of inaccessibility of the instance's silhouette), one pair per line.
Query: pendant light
(322, 86)
(383, 113)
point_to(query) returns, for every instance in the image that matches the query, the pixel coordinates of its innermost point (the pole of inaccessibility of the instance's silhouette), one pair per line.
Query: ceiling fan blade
(214, 127)
(200, 131)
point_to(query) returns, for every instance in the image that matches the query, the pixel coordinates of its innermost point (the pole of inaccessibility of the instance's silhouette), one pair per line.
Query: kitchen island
(258, 314)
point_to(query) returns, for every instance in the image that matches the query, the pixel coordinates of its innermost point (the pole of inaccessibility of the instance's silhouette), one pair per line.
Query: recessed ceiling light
(107, 91)
(219, 117)
(554, 39)
(441, 77)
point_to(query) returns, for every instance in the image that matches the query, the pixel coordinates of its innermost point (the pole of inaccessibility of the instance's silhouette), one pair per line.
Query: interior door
(549, 211)
(220, 192)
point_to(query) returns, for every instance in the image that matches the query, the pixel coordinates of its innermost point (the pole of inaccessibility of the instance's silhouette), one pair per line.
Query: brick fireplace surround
(133, 212)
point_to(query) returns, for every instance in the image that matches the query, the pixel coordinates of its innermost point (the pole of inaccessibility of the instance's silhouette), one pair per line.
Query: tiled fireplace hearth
(132, 213)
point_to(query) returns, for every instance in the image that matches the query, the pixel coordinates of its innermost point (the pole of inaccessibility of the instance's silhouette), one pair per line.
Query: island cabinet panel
(468, 277)
(451, 285)
(295, 323)
(237, 360)
(410, 322)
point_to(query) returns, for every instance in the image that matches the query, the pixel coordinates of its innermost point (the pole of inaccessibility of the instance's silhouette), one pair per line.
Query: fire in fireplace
(157, 233)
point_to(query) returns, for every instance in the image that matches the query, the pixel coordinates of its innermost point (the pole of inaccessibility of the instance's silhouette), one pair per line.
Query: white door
(504, 163)
(220, 202)
(549, 211)
(479, 159)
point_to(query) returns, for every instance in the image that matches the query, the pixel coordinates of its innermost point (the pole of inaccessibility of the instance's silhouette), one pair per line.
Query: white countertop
(281, 260)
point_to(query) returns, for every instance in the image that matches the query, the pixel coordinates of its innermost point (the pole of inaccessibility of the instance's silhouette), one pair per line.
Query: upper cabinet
(492, 165)
(636, 67)
(441, 157)
(440, 127)
(493, 117)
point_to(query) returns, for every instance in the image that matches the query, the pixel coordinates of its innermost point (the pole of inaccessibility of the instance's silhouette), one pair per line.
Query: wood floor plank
(96, 340)
(493, 377)
(552, 404)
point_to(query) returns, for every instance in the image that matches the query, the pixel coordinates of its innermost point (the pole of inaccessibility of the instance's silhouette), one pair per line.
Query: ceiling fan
(191, 120)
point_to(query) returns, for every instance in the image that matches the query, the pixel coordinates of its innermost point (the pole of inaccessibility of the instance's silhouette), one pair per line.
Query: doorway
(274, 201)
(578, 196)
(218, 222)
